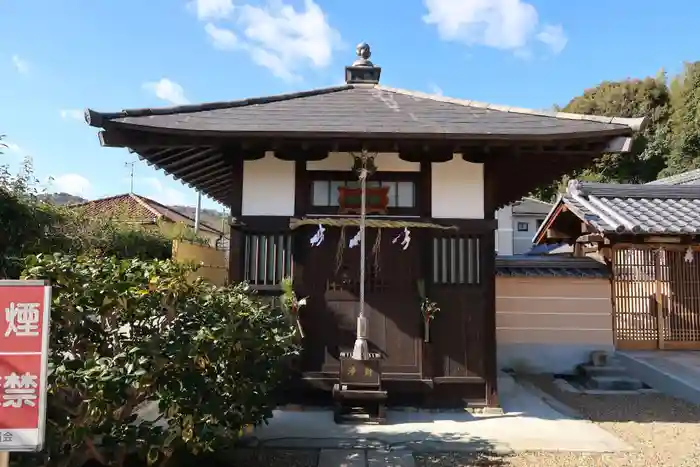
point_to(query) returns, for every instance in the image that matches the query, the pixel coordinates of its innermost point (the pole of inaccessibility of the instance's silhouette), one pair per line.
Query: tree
(648, 97)
(684, 150)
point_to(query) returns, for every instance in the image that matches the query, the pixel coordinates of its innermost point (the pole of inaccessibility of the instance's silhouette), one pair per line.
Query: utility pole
(131, 175)
(197, 213)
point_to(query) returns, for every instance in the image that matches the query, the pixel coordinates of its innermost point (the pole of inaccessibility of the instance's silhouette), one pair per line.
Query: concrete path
(676, 373)
(529, 424)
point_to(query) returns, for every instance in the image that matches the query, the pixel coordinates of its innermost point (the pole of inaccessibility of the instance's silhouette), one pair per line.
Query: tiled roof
(128, 207)
(549, 266)
(136, 208)
(365, 109)
(531, 206)
(635, 209)
(691, 177)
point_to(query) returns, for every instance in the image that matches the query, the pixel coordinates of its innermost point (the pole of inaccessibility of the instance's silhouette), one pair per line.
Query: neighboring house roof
(692, 177)
(549, 266)
(631, 209)
(384, 111)
(139, 209)
(553, 249)
(529, 205)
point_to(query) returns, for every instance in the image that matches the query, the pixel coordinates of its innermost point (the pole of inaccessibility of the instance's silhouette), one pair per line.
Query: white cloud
(501, 24)
(157, 191)
(21, 65)
(435, 89)
(553, 36)
(223, 39)
(279, 37)
(168, 91)
(12, 147)
(71, 183)
(212, 9)
(72, 114)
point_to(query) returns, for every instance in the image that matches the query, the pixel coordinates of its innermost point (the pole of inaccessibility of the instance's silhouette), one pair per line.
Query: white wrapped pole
(361, 349)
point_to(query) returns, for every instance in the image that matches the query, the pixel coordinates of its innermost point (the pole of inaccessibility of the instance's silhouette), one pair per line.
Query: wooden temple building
(439, 169)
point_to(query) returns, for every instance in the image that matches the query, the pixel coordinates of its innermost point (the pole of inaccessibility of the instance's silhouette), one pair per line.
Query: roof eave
(537, 238)
(97, 119)
(620, 140)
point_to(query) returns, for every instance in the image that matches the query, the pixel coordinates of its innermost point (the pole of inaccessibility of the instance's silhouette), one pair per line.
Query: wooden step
(360, 394)
(359, 405)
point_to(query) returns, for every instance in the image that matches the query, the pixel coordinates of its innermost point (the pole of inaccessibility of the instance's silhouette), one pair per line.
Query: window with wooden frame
(402, 191)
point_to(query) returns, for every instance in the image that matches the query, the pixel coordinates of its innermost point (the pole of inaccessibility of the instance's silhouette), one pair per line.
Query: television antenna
(131, 175)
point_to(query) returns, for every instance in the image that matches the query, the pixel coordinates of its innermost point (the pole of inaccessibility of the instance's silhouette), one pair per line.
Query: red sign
(24, 339)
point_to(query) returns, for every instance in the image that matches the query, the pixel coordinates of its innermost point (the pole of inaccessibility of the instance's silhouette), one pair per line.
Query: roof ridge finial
(362, 71)
(364, 52)
(573, 187)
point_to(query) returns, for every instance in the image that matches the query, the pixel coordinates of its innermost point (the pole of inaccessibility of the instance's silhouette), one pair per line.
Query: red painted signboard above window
(376, 200)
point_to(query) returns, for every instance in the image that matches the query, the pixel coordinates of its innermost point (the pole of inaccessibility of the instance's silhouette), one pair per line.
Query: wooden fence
(656, 293)
(213, 263)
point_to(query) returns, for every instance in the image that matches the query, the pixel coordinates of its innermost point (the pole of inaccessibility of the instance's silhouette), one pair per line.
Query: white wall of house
(457, 189)
(524, 227)
(504, 234)
(268, 187)
(517, 225)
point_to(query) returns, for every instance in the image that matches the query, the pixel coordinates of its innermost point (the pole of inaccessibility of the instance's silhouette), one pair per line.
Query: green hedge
(129, 333)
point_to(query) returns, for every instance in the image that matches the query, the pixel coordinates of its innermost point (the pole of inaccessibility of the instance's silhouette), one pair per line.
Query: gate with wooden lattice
(656, 297)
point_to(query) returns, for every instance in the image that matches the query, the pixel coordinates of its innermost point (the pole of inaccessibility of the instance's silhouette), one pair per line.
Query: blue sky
(58, 57)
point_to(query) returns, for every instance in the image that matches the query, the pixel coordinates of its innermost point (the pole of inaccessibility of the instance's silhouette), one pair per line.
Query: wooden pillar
(236, 253)
(659, 294)
(488, 261)
(300, 244)
(424, 200)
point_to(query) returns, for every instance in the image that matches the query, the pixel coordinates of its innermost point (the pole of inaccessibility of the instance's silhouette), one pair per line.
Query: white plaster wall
(522, 241)
(268, 187)
(385, 162)
(504, 234)
(457, 189)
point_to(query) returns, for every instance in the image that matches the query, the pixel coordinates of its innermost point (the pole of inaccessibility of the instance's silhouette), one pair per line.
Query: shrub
(133, 336)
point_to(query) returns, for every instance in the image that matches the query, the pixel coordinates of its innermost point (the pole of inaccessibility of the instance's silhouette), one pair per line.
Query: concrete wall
(551, 324)
(213, 263)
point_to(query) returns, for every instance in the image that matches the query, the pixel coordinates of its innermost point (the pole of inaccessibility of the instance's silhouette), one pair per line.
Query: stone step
(615, 383)
(608, 370)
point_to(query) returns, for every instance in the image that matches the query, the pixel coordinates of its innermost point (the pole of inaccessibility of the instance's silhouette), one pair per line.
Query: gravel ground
(274, 458)
(663, 431)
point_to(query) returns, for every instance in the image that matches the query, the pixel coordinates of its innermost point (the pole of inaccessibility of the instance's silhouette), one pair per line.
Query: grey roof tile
(637, 209)
(691, 177)
(366, 110)
(549, 266)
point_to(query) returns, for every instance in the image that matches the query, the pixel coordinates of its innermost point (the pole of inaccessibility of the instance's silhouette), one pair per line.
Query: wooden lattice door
(656, 298)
